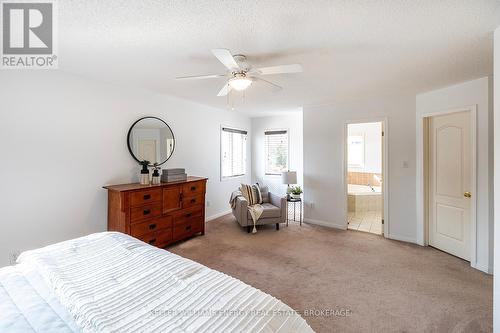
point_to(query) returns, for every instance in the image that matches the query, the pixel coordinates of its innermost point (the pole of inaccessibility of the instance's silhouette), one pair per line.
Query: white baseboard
(483, 268)
(402, 238)
(213, 217)
(326, 224)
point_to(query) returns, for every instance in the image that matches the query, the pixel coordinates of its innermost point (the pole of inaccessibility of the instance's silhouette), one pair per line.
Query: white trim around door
(385, 167)
(422, 205)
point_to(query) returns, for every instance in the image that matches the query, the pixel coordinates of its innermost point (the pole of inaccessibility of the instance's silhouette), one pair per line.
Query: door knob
(467, 194)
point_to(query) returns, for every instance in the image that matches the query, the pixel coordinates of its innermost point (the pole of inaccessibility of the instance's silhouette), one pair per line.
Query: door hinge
(382, 221)
(382, 133)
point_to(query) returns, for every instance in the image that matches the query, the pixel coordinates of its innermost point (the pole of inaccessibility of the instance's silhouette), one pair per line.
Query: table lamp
(289, 177)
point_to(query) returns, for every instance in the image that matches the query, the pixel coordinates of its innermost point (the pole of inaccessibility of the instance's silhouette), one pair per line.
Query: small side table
(294, 201)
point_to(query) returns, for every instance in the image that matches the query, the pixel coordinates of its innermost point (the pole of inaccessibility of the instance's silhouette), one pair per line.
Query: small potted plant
(295, 192)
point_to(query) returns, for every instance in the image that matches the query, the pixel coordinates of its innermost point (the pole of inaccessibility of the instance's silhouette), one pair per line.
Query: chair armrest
(281, 203)
(241, 210)
(277, 201)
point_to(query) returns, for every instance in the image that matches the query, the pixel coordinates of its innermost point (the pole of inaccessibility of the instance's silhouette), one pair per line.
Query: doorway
(147, 150)
(449, 182)
(364, 177)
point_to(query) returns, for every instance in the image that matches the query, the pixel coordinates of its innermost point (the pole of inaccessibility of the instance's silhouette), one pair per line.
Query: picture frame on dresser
(158, 214)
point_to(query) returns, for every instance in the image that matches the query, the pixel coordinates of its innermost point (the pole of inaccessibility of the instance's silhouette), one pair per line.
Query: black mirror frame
(130, 132)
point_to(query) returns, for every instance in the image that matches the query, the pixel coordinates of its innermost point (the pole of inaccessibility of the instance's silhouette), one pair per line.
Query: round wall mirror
(151, 139)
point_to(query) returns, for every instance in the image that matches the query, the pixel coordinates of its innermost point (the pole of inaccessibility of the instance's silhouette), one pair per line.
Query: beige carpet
(387, 286)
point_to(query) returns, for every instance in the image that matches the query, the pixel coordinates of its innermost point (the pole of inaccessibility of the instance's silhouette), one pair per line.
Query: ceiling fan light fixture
(240, 83)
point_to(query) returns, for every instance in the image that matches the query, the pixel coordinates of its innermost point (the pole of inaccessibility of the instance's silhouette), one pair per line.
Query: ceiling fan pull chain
(232, 100)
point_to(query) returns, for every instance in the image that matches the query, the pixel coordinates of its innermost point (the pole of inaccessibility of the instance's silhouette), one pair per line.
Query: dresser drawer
(145, 197)
(196, 224)
(142, 228)
(183, 230)
(160, 238)
(188, 228)
(164, 237)
(185, 214)
(192, 200)
(145, 212)
(150, 238)
(193, 187)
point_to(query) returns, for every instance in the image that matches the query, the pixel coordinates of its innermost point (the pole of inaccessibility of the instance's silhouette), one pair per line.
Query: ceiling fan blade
(196, 77)
(268, 82)
(283, 69)
(225, 90)
(225, 56)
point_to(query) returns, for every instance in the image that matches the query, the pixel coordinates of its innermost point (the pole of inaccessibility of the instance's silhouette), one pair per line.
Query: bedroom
(64, 136)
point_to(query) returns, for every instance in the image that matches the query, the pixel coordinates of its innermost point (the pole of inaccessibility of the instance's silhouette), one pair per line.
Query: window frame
(245, 159)
(287, 151)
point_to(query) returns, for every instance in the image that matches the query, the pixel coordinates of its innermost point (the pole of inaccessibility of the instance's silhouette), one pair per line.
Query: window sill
(225, 179)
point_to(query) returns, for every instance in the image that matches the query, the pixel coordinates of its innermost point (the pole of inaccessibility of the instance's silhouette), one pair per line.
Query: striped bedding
(111, 282)
(27, 305)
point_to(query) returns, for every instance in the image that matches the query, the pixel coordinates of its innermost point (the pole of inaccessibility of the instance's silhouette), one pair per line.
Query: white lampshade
(289, 177)
(240, 83)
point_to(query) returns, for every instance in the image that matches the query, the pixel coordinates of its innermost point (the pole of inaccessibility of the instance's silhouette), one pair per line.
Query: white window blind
(276, 151)
(233, 152)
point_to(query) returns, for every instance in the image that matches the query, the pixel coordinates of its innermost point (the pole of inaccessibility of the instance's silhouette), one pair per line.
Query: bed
(111, 282)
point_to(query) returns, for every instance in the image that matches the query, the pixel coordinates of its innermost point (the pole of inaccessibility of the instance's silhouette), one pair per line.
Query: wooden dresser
(158, 214)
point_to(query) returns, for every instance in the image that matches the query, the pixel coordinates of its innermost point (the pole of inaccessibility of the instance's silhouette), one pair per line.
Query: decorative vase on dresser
(158, 214)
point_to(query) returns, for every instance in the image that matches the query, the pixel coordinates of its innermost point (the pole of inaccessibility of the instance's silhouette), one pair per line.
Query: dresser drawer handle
(152, 241)
(193, 188)
(188, 228)
(193, 200)
(152, 226)
(188, 215)
(147, 196)
(146, 211)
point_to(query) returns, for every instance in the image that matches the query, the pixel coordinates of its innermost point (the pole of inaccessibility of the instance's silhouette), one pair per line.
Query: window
(233, 152)
(276, 152)
(356, 151)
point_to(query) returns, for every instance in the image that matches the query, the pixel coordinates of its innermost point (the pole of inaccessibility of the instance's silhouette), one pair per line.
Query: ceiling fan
(240, 74)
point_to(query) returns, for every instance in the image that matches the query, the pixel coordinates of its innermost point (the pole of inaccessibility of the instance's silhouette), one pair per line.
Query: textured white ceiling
(349, 49)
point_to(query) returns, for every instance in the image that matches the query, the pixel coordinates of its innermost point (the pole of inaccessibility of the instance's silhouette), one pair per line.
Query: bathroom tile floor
(368, 221)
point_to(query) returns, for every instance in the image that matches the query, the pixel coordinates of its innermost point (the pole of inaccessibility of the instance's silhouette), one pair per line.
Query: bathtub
(362, 198)
(355, 189)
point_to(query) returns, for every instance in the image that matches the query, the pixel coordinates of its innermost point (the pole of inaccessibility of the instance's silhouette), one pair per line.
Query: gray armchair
(275, 210)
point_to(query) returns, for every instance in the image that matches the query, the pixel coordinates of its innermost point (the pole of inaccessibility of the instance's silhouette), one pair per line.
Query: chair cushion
(264, 191)
(270, 211)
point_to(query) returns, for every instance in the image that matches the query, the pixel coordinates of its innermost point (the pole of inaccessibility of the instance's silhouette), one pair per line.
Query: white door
(450, 170)
(147, 150)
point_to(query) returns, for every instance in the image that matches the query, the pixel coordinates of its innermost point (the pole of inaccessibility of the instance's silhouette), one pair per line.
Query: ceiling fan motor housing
(241, 60)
